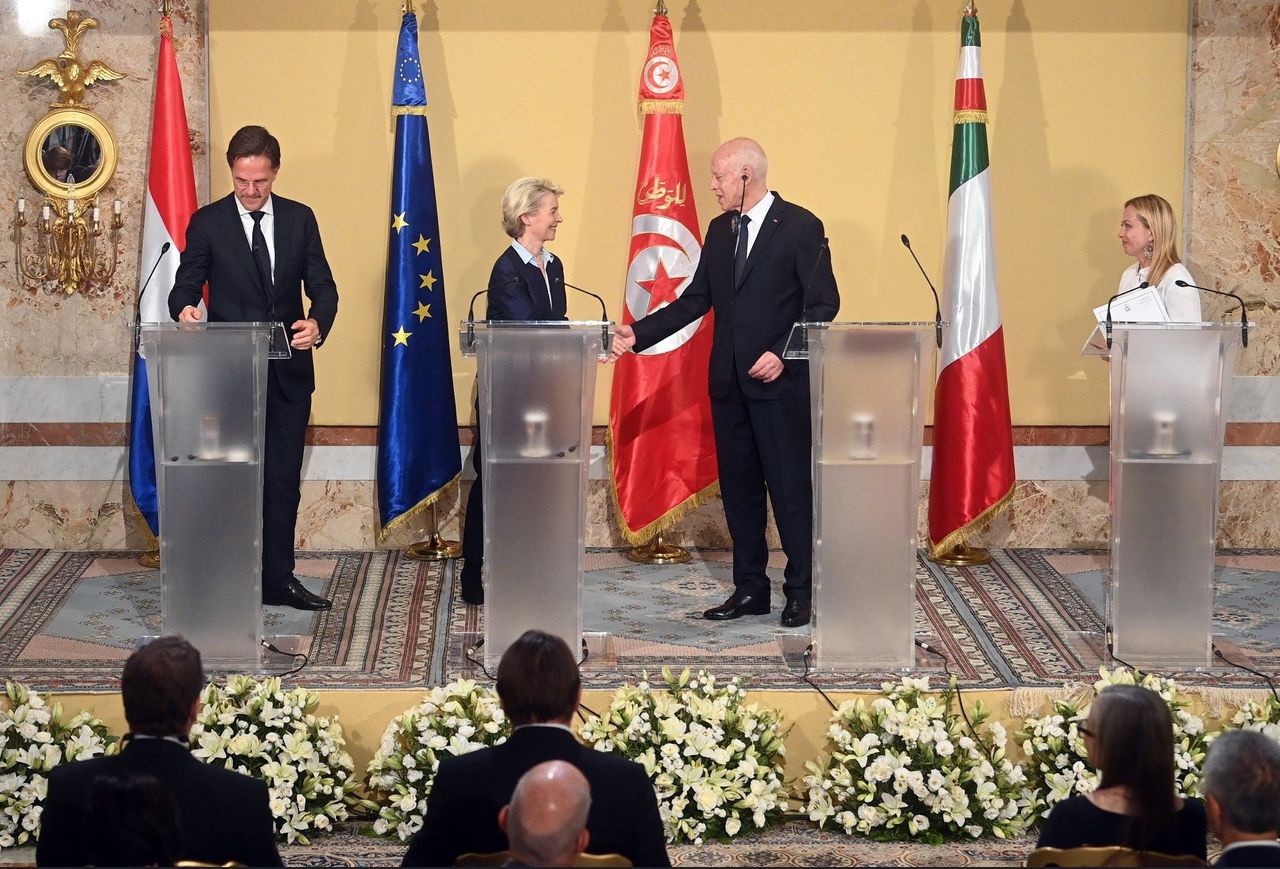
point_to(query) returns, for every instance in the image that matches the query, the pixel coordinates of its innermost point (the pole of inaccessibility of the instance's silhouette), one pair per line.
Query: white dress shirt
(268, 228)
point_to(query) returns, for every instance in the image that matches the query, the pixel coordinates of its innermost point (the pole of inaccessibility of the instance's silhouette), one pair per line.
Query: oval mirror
(70, 154)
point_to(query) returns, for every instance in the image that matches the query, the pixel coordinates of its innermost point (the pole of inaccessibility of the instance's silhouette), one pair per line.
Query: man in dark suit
(223, 815)
(256, 251)
(1242, 797)
(539, 688)
(764, 266)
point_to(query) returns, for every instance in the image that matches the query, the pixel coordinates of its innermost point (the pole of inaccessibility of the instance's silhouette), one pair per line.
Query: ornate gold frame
(80, 190)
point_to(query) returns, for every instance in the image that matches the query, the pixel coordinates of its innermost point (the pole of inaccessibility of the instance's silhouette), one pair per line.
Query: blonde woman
(1148, 233)
(527, 283)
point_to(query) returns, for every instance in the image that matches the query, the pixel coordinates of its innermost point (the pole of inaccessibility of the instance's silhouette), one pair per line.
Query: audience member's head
(1242, 786)
(538, 680)
(161, 687)
(133, 821)
(1129, 736)
(57, 162)
(546, 820)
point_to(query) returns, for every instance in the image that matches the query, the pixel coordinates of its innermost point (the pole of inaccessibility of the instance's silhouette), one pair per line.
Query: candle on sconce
(95, 214)
(71, 207)
(45, 212)
(22, 205)
(116, 207)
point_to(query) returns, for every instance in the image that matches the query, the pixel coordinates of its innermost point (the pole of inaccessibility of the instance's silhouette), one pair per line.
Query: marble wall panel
(48, 332)
(1233, 211)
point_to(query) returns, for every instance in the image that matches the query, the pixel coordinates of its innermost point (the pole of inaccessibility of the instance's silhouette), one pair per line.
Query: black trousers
(765, 447)
(281, 479)
(473, 525)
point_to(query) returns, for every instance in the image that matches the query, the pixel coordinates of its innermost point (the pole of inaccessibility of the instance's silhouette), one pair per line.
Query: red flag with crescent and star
(662, 454)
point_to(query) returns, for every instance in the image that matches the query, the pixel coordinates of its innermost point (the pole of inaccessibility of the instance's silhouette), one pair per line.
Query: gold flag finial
(971, 8)
(166, 8)
(406, 8)
(661, 8)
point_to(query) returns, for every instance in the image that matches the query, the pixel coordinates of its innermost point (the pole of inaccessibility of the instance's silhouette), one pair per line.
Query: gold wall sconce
(70, 156)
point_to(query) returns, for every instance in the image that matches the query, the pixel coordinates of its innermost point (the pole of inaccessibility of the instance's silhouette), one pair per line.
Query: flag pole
(435, 547)
(658, 551)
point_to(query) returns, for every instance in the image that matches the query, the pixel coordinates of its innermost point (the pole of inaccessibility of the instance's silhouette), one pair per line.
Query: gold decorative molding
(67, 70)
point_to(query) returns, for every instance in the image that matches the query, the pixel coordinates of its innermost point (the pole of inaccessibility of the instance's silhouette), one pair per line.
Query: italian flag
(973, 474)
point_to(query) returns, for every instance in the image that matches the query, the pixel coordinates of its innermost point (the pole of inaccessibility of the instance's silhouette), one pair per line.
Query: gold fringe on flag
(978, 524)
(426, 502)
(971, 116)
(662, 107)
(663, 522)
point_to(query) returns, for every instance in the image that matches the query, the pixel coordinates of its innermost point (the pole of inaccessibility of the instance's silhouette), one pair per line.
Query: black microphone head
(1145, 284)
(1180, 282)
(164, 248)
(906, 242)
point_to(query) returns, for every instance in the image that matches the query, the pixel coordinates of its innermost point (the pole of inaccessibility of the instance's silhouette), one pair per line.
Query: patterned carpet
(1029, 618)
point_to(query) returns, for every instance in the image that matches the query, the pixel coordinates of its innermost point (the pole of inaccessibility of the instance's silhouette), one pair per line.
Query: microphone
(825, 247)
(604, 310)
(1141, 286)
(1244, 319)
(737, 218)
(937, 308)
(471, 308)
(137, 308)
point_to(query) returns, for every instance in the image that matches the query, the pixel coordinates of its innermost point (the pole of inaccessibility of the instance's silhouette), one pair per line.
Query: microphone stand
(137, 308)
(1141, 286)
(604, 312)
(1244, 319)
(937, 307)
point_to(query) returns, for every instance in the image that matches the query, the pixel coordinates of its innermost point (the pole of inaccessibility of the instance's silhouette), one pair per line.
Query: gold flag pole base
(150, 559)
(963, 556)
(658, 551)
(435, 547)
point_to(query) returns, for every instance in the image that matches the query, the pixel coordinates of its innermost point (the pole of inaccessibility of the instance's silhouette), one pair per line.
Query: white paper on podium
(1136, 306)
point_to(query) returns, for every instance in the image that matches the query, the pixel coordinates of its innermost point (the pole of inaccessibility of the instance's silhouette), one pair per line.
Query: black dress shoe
(796, 613)
(294, 594)
(739, 605)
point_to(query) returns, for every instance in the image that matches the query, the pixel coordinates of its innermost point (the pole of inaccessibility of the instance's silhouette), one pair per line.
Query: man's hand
(624, 338)
(306, 334)
(767, 369)
(190, 314)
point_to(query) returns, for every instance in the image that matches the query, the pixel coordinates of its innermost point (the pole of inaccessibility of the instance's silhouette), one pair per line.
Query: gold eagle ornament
(67, 70)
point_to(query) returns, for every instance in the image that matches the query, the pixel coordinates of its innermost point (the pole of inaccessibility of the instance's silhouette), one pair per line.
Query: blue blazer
(519, 293)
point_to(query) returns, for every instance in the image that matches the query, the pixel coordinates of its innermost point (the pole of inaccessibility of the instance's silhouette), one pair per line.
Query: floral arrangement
(455, 719)
(908, 767)
(1263, 717)
(35, 738)
(259, 729)
(716, 762)
(1057, 764)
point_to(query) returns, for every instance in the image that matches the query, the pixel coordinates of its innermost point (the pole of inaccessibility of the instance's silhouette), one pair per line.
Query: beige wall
(851, 100)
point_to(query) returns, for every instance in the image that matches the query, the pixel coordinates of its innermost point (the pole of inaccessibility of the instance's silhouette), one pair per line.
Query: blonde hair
(522, 197)
(1156, 214)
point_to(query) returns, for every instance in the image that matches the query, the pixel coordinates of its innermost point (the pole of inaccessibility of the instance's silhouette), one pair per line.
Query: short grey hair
(1242, 773)
(522, 197)
(548, 810)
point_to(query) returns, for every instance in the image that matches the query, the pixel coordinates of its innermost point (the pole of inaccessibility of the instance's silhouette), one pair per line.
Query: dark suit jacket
(225, 815)
(519, 293)
(786, 259)
(218, 252)
(462, 811)
(1259, 854)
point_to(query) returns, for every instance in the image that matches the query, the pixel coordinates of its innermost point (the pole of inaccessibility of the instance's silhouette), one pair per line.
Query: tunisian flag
(662, 455)
(171, 200)
(973, 474)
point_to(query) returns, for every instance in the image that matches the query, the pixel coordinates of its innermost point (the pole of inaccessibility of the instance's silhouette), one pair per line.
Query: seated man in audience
(546, 820)
(1242, 797)
(223, 815)
(539, 688)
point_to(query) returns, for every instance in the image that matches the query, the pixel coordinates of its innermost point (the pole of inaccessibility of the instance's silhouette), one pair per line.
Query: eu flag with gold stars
(418, 456)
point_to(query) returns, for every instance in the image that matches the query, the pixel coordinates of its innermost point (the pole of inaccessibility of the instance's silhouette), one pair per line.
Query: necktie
(260, 253)
(740, 253)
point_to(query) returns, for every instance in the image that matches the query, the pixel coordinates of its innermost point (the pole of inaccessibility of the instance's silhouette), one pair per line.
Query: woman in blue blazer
(527, 283)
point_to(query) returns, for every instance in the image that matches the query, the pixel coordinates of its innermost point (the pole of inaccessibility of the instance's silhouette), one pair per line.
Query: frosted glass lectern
(536, 394)
(869, 384)
(1167, 426)
(208, 385)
